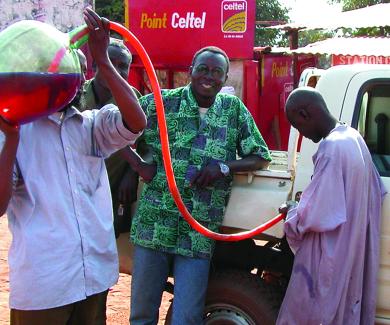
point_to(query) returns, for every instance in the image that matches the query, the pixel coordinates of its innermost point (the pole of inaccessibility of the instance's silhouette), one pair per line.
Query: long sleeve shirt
(60, 214)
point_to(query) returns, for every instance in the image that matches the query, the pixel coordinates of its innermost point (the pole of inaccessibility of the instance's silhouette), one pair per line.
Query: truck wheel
(239, 298)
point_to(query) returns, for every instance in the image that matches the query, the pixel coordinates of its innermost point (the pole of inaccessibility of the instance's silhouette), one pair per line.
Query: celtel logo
(233, 16)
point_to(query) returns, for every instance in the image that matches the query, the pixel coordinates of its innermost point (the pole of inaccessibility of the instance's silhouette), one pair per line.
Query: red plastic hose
(167, 155)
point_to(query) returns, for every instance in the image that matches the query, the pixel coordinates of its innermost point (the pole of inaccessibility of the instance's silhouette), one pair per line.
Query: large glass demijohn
(39, 69)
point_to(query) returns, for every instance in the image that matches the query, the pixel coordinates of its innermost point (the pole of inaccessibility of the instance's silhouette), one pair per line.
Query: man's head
(209, 72)
(120, 58)
(306, 110)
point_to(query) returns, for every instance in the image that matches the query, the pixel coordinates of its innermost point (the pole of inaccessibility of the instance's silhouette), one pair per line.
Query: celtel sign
(190, 20)
(172, 31)
(234, 16)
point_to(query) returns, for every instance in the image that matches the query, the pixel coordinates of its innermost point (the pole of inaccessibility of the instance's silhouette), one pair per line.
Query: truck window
(362, 116)
(374, 125)
(310, 76)
(312, 82)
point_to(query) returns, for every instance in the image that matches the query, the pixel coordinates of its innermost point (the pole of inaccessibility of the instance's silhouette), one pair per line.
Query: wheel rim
(225, 314)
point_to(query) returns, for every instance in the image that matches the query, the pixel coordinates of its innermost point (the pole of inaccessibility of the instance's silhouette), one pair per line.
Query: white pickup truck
(249, 278)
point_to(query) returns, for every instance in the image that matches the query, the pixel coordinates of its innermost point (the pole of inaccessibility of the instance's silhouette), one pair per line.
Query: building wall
(63, 14)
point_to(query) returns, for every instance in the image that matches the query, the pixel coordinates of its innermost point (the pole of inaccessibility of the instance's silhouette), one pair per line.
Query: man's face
(121, 62)
(208, 74)
(304, 124)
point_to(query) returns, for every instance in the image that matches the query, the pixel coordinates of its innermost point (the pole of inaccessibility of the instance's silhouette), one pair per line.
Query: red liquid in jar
(26, 96)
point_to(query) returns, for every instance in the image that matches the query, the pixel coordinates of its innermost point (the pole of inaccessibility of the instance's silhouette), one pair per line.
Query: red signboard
(172, 31)
(276, 84)
(352, 59)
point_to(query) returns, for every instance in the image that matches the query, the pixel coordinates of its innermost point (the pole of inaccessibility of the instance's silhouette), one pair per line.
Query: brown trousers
(83, 312)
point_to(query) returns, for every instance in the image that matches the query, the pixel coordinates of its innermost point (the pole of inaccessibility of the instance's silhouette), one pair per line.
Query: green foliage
(367, 32)
(270, 10)
(312, 36)
(357, 4)
(113, 10)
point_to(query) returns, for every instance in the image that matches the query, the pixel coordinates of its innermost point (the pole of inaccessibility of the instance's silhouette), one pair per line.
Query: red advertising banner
(353, 59)
(276, 85)
(172, 31)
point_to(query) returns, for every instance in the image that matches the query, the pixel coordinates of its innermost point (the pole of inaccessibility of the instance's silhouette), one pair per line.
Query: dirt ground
(118, 299)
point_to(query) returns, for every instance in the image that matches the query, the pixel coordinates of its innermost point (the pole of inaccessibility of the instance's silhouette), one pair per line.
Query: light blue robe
(334, 231)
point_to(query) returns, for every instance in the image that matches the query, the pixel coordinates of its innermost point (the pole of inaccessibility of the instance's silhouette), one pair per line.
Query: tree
(111, 9)
(357, 4)
(311, 36)
(266, 11)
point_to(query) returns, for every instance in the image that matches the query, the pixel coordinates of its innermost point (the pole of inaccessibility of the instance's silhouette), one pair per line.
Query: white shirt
(60, 215)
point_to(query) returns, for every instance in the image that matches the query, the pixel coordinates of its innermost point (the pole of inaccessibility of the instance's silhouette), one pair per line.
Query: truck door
(367, 108)
(256, 196)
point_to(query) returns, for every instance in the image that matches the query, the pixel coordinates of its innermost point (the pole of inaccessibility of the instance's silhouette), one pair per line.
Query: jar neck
(78, 36)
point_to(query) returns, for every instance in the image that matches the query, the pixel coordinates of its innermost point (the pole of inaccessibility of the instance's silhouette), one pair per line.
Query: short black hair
(115, 42)
(212, 49)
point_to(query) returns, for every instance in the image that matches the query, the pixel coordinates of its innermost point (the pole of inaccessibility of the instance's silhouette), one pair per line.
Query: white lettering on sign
(368, 59)
(233, 16)
(234, 6)
(288, 88)
(189, 21)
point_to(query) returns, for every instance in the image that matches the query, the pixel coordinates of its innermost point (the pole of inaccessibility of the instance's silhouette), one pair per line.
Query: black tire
(239, 298)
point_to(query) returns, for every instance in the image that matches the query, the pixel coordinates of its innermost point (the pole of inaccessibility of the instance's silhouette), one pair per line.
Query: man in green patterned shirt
(206, 129)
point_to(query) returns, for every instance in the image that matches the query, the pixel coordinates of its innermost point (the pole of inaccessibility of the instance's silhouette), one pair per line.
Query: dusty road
(118, 300)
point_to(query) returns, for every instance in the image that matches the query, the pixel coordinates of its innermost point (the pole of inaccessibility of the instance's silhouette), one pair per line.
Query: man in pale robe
(334, 230)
